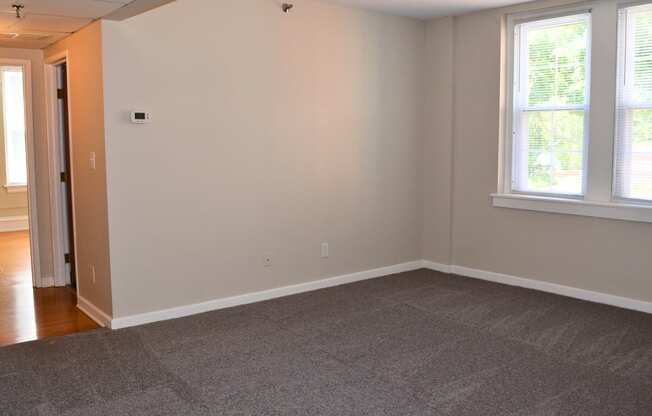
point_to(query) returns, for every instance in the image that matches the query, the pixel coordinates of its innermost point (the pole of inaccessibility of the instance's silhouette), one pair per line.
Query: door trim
(54, 149)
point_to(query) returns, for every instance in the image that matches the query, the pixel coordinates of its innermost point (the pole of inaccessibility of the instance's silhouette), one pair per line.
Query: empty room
(326, 207)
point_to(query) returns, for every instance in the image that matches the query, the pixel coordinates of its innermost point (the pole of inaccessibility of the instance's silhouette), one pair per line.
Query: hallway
(26, 313)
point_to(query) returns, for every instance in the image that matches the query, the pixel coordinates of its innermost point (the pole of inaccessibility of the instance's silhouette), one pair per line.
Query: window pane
(642, 56)
(14, 125)
(556, 63)
(550, 104)
(633, 179)
(551, 158)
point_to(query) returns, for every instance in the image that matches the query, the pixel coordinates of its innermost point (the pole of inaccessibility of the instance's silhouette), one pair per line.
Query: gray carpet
(418, 343)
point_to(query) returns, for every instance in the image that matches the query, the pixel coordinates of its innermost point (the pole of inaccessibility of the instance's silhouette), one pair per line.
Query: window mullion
(602, 109)
(520, 147)
(555, 107)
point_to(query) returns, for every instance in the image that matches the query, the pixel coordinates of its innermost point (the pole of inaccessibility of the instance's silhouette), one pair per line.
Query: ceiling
(44, 22)
(426, 9)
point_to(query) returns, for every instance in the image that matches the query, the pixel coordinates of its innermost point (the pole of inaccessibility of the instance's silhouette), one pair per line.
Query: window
(633, 160)
(551, 105)
(573, 146)
(13, 110)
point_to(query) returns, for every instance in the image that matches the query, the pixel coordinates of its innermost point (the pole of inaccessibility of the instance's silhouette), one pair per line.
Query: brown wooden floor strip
(27, 314)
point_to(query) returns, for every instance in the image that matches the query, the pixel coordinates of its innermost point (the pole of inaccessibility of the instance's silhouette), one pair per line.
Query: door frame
(32, 200)
(54, 149)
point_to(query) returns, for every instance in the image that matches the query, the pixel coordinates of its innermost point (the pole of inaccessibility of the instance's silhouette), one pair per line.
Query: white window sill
(611, 210)
(14, 189)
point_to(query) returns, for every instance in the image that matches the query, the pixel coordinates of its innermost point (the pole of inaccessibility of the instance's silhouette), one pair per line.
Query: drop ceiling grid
(56, 18)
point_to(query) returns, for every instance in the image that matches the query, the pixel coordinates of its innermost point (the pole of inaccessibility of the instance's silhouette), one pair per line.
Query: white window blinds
(551, 102)
(633, 148)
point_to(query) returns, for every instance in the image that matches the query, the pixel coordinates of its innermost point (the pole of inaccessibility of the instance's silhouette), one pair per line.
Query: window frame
(599, 198)
(624, 59)
(517, 110)
(13, 187)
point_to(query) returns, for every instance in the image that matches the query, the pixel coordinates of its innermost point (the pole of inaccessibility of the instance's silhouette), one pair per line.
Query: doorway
(65, 176)
(19, 257)
(18, 213)
(61, 172)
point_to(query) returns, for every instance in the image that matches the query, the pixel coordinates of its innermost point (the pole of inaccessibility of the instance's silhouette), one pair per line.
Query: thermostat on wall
(141, 117)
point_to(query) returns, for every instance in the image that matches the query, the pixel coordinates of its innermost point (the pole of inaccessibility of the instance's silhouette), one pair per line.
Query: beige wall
(272, 133)
(438, 142)
(89, 186)
(602, 255)
(40, 157)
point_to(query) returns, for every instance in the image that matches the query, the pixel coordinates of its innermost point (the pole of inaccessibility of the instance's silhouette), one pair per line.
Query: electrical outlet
(324, 251)
(92, 270)
(267, 260)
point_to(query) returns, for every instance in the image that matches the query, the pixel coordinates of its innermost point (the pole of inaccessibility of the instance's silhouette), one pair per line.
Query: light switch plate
(141, 117)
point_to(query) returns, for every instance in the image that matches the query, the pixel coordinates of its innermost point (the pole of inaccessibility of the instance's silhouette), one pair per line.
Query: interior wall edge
(96, 314)
(87, 139)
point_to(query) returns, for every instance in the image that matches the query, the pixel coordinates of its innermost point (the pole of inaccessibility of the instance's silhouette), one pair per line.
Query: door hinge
(64, 177)
(68, 258)
(61, 93)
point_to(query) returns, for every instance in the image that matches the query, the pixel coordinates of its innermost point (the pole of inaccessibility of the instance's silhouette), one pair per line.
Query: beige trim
(611, 210)
(18, 223)
(15, 189)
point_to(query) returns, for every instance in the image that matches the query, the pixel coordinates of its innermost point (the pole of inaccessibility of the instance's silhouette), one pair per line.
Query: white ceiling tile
(43, 23)
(6, 21)
(71, 8)
(32, 44)
(59, 18)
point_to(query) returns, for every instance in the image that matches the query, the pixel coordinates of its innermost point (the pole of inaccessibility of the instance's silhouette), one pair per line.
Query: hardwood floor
(26, 313)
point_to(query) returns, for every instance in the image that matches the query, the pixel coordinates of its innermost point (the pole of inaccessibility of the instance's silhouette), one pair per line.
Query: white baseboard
(9, 224)
(181, 311)
(439, 267)
(187, 310)
(45, 281)
(573, 292)
(93, 312)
